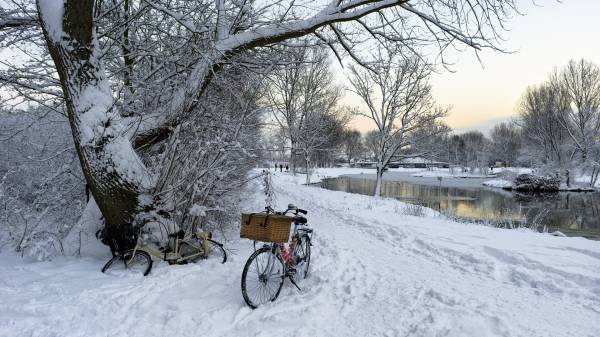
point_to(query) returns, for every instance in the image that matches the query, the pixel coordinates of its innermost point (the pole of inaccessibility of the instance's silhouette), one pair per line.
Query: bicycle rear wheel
(129, 262)
(262, 277)
(302, 253)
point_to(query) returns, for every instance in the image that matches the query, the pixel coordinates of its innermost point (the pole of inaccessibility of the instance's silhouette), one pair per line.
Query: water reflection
(572, 213)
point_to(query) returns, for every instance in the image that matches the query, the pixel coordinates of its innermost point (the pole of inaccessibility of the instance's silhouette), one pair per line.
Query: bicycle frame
(276, 247)
(174, 256)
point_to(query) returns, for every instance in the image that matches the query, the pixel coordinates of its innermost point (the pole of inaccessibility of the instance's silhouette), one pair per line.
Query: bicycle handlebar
(290, 208)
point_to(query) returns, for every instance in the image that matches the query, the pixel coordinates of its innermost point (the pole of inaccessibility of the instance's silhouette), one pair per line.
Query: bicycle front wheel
(216, 251)
(129, 262)
(193, 250)
(262, 277)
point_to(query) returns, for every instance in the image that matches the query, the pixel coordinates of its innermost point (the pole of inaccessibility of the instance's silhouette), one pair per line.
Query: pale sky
(548, 35)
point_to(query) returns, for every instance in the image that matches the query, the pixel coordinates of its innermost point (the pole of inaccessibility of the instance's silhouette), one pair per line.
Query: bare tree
(304, 99)
(430, 141)
(131, 73)
(544, 137)
(41, 190)
(370, 140)
(351, 144)
(476, 151)
(579, 87)
(398, 97)
(505, 143)
(320, 133)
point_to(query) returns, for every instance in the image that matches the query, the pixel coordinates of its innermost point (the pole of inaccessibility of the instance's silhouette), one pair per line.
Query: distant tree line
(560, 120)
(557, 131)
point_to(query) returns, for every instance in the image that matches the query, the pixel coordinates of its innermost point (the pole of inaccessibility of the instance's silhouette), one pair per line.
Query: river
(572, 213)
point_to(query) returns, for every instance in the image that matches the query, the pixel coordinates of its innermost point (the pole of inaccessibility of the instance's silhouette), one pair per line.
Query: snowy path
(375, 273)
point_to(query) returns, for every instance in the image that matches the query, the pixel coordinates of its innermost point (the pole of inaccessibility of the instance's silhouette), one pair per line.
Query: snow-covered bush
(205, 164)
(41, 187)
(531, 182)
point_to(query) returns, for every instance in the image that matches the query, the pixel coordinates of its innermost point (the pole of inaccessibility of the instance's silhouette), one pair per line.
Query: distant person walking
(275, 167)
(280, 168)
(287, 168)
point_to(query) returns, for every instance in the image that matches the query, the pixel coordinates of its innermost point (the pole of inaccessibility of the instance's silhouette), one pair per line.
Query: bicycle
(267, 268)
(181, 249)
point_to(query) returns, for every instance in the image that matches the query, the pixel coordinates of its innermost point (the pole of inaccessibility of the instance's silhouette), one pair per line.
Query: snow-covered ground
(317, 175)
(375, 272)
(499, 183)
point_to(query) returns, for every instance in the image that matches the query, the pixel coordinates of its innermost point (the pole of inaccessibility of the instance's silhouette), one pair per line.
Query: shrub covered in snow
(531, 182)
(41, 186)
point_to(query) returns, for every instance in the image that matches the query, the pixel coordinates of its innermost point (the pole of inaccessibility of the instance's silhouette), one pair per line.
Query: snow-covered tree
(130, 74)
(351, 144)
(397, 94)
(505, 143)
(578, 83)
(41, 190)
(560, 120)
(477, 150)
(544, 138)
(305, 99)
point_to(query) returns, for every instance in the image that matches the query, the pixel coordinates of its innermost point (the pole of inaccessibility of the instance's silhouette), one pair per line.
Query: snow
(99, 121)
(517, 170)
(128, 163)
(317, 175)
(52, 12)
(375, 272)
(498, 183)
(95, 103)
(197, 210)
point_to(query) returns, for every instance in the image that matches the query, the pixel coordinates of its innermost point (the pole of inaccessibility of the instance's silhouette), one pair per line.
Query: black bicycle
(267, 268)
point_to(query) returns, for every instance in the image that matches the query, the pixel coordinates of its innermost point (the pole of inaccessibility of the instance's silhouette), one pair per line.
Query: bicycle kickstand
(294, 283)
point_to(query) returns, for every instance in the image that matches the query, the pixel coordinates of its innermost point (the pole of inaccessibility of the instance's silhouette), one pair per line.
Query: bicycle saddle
(300, 219)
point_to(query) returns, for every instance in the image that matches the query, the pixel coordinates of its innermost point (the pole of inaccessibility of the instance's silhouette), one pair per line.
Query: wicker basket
(265, 227)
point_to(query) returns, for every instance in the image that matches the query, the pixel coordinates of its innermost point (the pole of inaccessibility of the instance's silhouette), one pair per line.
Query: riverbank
(467, 199)
(375, 271)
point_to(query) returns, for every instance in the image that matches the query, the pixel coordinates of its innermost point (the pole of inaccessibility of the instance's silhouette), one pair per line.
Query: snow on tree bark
(114, 173)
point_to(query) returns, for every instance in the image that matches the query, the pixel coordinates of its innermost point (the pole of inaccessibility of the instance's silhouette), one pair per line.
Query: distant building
(364, 164)
(418, 162)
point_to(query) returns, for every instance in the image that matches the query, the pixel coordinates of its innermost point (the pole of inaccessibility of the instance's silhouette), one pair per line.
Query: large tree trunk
(113, 172)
